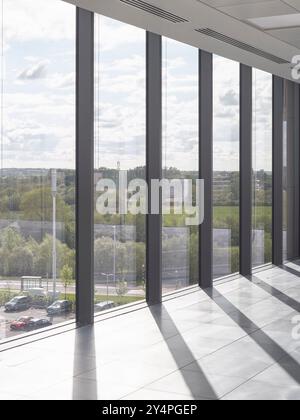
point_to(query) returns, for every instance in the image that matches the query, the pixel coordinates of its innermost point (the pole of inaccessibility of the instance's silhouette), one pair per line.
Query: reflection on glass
(120, 148)
(180, 243)
(37, 185)
(226, 167)
(262, 168)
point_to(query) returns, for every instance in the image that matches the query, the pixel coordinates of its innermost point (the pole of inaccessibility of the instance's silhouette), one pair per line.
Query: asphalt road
(101, 289)
(7, 317)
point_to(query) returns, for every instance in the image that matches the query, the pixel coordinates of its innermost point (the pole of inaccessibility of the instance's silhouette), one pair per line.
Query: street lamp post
(114, 265)
(54, 256)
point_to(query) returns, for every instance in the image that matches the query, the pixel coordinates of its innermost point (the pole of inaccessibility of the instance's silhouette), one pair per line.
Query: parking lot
(7, 317)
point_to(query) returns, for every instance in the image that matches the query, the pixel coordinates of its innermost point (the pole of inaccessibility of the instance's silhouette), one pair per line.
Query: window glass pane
(290, 173)
(226, 167)
(37, 189)
(262, 168)
(180, 243)
(120, 152)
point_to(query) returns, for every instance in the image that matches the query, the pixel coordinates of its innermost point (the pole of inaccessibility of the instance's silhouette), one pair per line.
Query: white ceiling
(237, 19)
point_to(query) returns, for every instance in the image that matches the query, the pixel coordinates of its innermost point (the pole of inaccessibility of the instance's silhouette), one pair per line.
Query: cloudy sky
(180, 105)
(120, 94)
(39, 90)
(262, 120)
(226, 114)
(39, 95)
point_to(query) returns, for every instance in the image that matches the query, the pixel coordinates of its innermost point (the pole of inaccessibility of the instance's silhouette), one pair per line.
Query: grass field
(221, 215)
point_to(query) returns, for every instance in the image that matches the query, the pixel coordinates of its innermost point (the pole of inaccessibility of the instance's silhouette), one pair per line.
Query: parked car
(36, 324)
(59, 307)
(18, 303)
(104, 306)
(21, 323)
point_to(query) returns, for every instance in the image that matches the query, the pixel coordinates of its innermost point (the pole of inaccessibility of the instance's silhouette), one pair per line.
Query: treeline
(21, 257)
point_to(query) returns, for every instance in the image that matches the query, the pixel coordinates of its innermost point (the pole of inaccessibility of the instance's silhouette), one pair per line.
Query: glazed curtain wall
(152, 107)
(262, 139)
(290, 172)
(120, 147)
(37, 185)
(180, 151)
(226, 164)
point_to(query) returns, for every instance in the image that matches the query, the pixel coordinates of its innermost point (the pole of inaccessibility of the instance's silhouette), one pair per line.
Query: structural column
(277, 170)
(296, 241)
(85, 167)
(154, 166)
(245, 170)
(291, 168)
(206, 166)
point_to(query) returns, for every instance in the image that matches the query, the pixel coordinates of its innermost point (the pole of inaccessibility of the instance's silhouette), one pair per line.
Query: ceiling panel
(277, 22)
(198, 16)
(291, 35)
(255, 10)
(224, 3)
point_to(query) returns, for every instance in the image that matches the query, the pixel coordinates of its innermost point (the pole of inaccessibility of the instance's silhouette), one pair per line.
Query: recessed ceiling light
(276, 22)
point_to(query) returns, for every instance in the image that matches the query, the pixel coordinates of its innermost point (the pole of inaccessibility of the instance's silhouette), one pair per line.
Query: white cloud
(113, 35)
(36, 20)
(34, 72)
(62, 81)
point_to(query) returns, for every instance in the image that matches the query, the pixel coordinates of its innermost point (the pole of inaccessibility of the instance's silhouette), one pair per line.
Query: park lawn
(119, 300)
(221, 214)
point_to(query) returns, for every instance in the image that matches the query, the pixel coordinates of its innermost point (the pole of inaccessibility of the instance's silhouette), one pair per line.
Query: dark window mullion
(277, 186)
(206, 166)
(245, 170)
(85, 167)
(154, 165)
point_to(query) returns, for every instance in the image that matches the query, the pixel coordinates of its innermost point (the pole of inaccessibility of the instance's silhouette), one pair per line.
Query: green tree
(121, 288)
(37, 205)
(10, 238)
(43, 258)
(66, 274)
(20, 262)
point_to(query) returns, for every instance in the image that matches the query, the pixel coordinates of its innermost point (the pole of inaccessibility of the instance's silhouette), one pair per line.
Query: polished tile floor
(239, 341)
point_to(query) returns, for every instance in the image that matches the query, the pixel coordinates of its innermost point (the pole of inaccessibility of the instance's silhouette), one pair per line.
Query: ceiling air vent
(149, 8)
(242, 45)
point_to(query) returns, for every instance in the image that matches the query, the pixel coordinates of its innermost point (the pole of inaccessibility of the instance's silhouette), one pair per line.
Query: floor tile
(82, 389)
(152, 395)
(259, 391)
(197, 384)
(236, 341)
(241, 359)
(134, 374)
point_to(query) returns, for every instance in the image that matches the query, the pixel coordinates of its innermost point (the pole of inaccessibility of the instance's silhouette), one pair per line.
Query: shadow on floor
(277, 353)
(291, 270)
(161, 317)
(84, 350)
(282, 297)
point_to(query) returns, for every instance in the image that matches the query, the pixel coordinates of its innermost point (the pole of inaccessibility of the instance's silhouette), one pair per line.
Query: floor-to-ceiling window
(180, 241)
(290, 171)
(37, 158)
(262, 168)
(120, 156)
(226, 167)
(37, 164)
